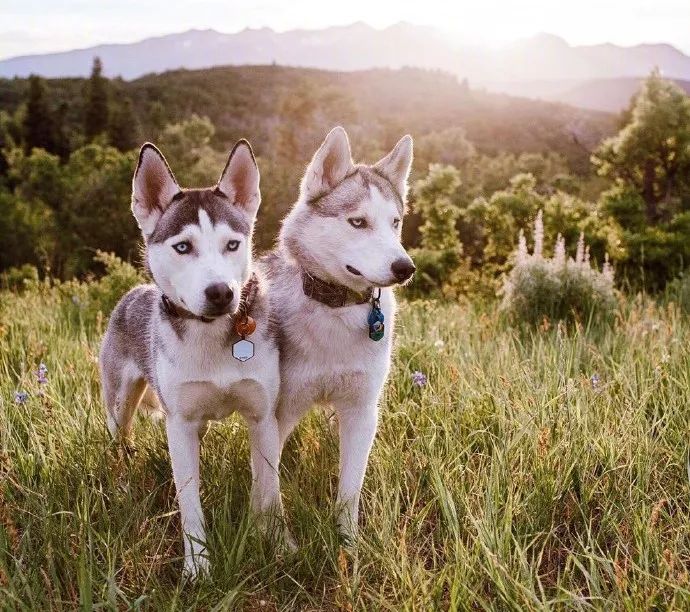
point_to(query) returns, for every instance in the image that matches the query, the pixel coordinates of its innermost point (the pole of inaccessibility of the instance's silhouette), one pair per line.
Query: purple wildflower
(595, 380)
(419, 379)
(42, 374)
(20, 397)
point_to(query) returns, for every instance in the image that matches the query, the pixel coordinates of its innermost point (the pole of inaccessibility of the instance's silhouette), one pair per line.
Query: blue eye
(396, 223)
(358, 222)
(233, 245)
(183, 247)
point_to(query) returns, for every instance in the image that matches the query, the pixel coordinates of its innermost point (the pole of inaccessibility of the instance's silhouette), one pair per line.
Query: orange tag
(245, 327)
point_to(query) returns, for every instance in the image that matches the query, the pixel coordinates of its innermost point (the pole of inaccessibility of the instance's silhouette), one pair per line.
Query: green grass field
(534, 470)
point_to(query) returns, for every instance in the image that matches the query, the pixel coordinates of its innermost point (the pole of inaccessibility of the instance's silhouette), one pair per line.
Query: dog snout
(219, 295)
(402, 269)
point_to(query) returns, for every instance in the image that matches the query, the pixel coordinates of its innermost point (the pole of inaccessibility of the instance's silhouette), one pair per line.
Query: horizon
(32, 30)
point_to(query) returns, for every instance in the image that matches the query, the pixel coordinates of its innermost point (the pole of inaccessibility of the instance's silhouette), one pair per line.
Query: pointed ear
(153, 188)
(330, 165)
(396, 165)
(240, 179)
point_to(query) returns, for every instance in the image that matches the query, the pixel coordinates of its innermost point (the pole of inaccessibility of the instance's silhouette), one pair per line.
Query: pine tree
(96, 116)
(123, 128)
(38, 125)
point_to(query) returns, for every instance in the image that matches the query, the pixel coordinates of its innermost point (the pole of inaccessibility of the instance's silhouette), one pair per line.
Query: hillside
(375, 105)
(608, 95)
(358, 46)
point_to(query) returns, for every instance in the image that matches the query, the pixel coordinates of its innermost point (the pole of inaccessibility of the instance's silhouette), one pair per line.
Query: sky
(38, 26)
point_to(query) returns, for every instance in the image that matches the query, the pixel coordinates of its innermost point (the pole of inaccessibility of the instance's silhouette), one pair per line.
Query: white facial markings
(185, 277)
(370, 250)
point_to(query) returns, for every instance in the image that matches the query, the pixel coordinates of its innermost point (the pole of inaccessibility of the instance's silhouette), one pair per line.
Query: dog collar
(247, 297)
(332, 294)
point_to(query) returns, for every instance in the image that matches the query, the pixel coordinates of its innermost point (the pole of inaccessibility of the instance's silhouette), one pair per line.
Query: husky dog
(331, 278)
(180, 337)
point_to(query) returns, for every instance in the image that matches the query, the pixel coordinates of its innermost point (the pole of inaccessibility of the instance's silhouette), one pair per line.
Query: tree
(123, 127)
(649, 160)
(38, 121)
(651, 154)
(96, 115)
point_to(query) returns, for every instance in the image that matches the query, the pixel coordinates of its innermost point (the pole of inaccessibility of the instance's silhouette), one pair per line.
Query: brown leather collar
(247, 297)
(331, 294)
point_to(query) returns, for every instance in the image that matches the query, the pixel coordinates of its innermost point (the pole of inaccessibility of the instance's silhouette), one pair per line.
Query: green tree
(439, 256)
(651, 154)
(96, 114)
(649, 161)
(39, 128)
(123, 127)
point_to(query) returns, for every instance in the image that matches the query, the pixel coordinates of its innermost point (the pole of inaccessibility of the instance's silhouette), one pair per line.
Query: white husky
(188, 337)
(339, 254)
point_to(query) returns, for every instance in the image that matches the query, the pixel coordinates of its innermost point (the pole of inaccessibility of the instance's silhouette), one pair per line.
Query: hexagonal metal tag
(243, 350)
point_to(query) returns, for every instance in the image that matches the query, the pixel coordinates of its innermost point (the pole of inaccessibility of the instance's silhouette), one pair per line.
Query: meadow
(529, 468)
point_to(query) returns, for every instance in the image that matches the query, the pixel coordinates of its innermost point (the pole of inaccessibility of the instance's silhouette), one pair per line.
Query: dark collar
(331, 294)
(247, 297)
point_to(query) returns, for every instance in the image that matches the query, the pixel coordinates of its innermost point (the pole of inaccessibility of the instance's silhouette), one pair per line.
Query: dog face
(198, 241)
(345, 227)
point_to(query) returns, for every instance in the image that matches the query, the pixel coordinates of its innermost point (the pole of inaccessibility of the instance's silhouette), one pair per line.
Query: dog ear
(330, 165)
(153, 188)
(396, 165)
(240, 178)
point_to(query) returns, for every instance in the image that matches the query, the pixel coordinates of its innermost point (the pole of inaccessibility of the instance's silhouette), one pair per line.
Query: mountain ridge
(543, 57)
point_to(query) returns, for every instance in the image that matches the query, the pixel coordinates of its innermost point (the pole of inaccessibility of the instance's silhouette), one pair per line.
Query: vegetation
(527, 461)
(531, 469)
(540, 289)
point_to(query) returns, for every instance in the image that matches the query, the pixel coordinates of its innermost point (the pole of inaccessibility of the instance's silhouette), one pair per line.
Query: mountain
(562, 69)
(608, 95)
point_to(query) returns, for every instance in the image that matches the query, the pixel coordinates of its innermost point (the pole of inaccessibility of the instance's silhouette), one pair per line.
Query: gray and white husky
(177, 337)
(330, 281)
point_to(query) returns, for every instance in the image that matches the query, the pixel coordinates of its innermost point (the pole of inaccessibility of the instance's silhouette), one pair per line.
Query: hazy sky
(34, 26)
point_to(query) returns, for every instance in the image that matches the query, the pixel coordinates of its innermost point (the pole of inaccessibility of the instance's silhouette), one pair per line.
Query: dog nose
(219, 294)
(402, 269)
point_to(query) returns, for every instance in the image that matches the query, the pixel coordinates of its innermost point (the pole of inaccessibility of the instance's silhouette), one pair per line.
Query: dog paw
(196, 567)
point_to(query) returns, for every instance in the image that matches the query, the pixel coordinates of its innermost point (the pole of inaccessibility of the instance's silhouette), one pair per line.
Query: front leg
(357, 427)
(265, 460)
(183, 442)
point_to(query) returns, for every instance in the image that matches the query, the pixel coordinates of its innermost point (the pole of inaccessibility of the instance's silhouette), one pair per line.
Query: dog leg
(183, 442)
(357, 428)
(121, 404)
(264, 442)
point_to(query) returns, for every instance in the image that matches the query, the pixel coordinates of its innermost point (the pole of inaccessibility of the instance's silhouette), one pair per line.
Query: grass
(512, 480)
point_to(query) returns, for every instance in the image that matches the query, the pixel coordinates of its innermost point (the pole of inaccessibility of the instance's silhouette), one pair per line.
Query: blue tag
(376, 326)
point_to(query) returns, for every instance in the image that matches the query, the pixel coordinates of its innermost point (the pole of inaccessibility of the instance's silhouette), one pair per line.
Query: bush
(91, 300)
(539, 288)
(16, 278)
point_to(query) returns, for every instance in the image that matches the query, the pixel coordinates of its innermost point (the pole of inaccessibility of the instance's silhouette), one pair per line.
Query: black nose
(219, 294)
(402, 269)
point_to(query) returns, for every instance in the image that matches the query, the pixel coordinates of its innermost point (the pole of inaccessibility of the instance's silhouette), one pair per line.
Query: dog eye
(396, 223)
(233, 245)
(183, 247)
(358, 222)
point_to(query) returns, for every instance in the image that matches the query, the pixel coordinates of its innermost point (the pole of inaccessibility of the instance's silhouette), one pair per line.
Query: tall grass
(533, 470)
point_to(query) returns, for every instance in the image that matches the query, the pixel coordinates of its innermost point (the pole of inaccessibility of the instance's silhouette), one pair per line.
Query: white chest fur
(198, 375)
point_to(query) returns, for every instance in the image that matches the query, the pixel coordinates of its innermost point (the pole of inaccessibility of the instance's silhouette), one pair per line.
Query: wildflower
(439, 344)
(419, 379)
(20, 397)
(595, 380)
(42, 374)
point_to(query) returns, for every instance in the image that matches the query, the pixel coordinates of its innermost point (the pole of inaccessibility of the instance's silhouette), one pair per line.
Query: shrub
(90, 300)
(16, 278)
(557, 288)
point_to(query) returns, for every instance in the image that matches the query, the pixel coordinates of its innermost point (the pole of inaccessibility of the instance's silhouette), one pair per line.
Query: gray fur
(347, 195)
(184, 210)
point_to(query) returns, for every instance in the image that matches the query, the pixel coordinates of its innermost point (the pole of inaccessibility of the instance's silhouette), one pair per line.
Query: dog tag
(376, 326)
(243, 350)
